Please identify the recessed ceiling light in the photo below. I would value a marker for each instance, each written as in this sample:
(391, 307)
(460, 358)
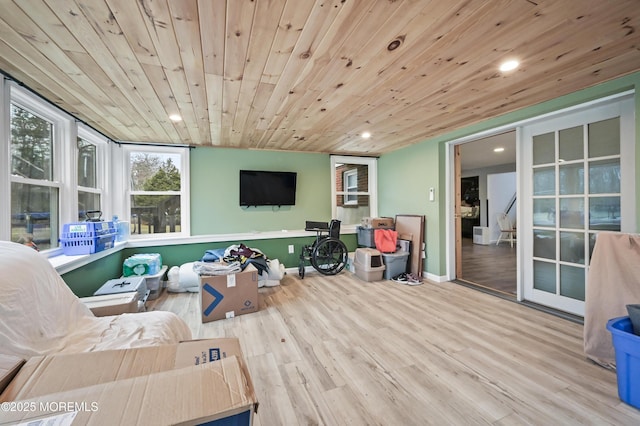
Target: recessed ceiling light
(175, 117)
(509, 65)
(366, 135)
(499, 149)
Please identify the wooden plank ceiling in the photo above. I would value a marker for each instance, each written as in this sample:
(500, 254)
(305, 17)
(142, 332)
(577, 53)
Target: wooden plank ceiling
(309, 75)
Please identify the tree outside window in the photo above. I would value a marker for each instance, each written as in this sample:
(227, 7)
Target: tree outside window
(155, 183)
(34, 194)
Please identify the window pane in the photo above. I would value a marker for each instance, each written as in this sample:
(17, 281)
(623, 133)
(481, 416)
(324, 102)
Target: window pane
(152, 214)
(544, 276)
(572, 282)
(571, 179)
(31, 145)
(544, 181)
(571, 144)
(544, 150)
(592, 243)
(544, 212)
(352, 178)
(87, 201)
(544, 244)
(571, 213)
(604, 213)
(358, 175)
(353, 214)
(34, 214)
(604, 177)
(155, 171)
(572, 247)
(86, 164)
(604, 138)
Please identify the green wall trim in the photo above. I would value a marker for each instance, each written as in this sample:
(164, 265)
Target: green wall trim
(85, 280)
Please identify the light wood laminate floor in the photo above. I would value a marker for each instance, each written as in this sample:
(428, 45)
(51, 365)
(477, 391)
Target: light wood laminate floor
(490, 266)
(338, 350)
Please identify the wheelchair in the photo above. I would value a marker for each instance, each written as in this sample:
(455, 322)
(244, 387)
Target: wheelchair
(327, 254)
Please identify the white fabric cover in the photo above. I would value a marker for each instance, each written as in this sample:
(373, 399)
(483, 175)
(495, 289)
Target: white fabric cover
(187, 280)
(273, 277)
(613, 283)
(40, 315)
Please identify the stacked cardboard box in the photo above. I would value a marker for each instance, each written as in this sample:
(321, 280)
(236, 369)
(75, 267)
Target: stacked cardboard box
(112, 304)
(192, 382)
(377, 222)
(225, 296)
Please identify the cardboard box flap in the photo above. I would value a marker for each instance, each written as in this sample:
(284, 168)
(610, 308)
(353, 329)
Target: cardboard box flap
(43, 375)
(9, 366)
(190, 395)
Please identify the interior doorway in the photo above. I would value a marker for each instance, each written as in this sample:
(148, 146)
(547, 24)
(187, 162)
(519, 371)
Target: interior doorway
(486, 188)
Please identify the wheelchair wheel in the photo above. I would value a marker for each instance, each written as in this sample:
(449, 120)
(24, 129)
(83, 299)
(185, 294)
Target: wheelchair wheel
(329, 256)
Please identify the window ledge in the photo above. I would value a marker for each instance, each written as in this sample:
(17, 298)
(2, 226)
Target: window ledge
(64, 263)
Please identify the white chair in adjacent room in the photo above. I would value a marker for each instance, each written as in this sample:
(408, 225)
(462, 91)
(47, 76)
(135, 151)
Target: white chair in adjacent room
(507, 230)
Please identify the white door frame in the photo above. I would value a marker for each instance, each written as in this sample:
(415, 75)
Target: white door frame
(450, 180)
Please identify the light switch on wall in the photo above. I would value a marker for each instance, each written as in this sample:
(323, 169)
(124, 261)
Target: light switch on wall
(432, 194)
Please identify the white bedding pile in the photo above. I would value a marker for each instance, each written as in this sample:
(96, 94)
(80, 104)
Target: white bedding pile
(40, 315)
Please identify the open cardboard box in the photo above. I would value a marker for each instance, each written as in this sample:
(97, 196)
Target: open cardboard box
(192, 382)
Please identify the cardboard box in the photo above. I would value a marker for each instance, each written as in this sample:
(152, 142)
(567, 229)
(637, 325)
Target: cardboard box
(378, 222)
(112, 304)
(225, 296)
(187, 396)
(43, 375)
(9, 366)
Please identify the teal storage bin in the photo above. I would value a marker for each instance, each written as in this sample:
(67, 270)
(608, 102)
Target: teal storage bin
(627, 349)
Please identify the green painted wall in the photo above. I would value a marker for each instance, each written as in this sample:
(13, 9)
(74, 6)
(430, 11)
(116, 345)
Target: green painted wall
(404, 179)
(404, 176)
(215, 191)
(86, 280)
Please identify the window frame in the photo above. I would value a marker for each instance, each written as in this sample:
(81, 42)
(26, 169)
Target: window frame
(123, 207)
(62, 131)
(102, 162)
(350, 196)
(372, 177)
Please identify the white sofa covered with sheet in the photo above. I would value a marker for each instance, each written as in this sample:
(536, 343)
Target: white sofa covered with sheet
(40, 315)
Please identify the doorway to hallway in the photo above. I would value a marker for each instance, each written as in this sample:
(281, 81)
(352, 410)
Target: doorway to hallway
(486, 176)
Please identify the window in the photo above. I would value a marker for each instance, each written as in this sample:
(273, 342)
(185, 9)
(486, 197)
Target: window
(53, 170)
(354, 188)
(350, 178)
(35, 194)
(89, 157)
(158, 189)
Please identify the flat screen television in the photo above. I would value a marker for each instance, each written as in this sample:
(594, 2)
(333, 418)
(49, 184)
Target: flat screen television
(263, 188)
